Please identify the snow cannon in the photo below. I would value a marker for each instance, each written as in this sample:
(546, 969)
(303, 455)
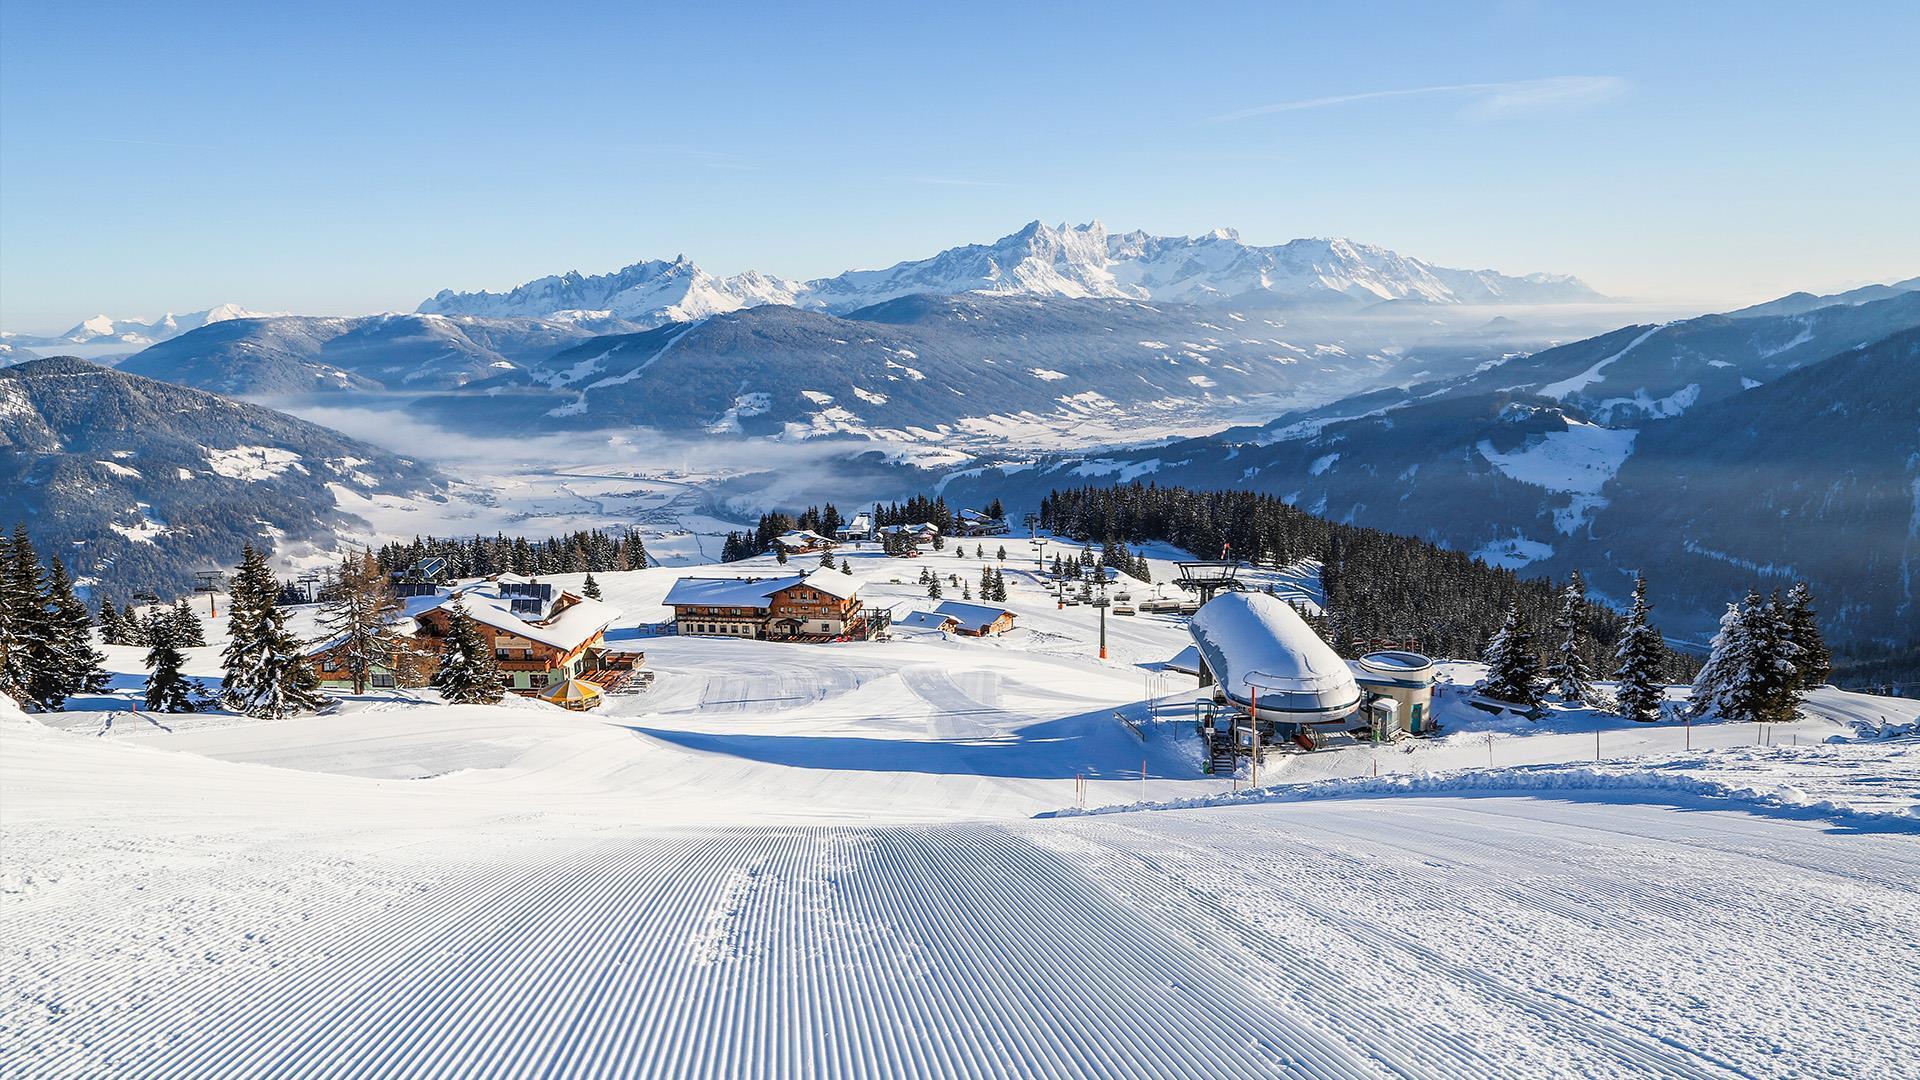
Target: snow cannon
(1264, 657)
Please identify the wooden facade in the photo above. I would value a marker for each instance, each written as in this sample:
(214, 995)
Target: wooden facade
(530, 666)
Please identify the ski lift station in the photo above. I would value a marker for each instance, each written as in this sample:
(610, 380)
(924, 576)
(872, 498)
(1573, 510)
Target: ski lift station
(1274, 678)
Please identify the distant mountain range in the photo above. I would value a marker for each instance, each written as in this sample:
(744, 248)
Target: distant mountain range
(138, 483)
(105, 330)
(305, 354)
(1083, 262)
(1711, 453)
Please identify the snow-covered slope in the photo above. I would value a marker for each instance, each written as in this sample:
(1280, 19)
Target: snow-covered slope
(138, 483)
(841, 861)
(298, 354)
(1075, 262)
(1650, 448)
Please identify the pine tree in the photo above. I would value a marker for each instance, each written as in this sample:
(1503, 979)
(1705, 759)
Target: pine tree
(933, 586)
(267, 673)
(1803, 629)
(23, 622)
(1640, 655)
(70, 638)
(1513, 671)
(846, 565)
(780, 554)
(358, 620)
(1568, 675)
(1001, 554)
(826, 560)
(136, 628)
(188, 634)
(966, 592)
(167, 690)
(113, 626)
(590, 588)
(468, 673)
(1778, 676)
(1749, 675)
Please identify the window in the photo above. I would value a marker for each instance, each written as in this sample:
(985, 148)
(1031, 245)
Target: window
(537, 679)
(503, 654)
(383, 682)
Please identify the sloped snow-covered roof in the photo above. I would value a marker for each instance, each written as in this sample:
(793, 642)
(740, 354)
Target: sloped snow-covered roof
(728, 591)
(923, 620)
(835, 583)
(757, 592)
(1257, 644)
(566, 629)
(970, 615)
(801, 538)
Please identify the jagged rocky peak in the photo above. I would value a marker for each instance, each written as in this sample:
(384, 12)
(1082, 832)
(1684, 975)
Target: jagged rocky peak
(1073, 261)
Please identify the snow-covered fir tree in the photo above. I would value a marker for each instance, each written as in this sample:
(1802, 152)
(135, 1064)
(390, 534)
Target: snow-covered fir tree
(358, 622)
(1567, 673)
(826, 560)
(1513, 671)
(1815, 661)
(933, 586)
(1749, 674)
(590, 588)
(1640, 656)
(468, 672)
(46, 635)
(187, 631)
(167, 690)
(75, 663)
(780, 554)
(22, 625)
(267, 675)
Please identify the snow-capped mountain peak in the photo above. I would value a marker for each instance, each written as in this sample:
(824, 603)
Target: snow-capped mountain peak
(107, 330)
(1072, 261)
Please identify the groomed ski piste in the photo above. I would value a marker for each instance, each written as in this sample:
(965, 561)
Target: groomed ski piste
(938, 856)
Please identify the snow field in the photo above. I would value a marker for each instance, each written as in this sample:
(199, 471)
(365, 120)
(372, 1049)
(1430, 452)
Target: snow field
(825, 861)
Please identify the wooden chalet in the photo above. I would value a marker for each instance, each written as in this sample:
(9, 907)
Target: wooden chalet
(976, 620)
(974, 523)
(412, 661)
(540, 636)
(803, 542)
(823, 605)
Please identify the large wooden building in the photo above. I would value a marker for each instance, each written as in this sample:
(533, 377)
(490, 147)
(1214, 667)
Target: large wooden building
(818, 606)
(540, 636)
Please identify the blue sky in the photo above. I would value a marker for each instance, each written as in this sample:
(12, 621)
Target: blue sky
(335, 159)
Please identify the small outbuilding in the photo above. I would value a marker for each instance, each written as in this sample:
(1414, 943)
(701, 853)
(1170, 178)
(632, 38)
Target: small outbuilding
(976, 620)
(1404, 679)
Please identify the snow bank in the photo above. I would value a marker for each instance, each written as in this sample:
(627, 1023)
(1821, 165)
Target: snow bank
(1850, 783)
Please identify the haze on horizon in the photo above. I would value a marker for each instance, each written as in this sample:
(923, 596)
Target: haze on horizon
(310, 161)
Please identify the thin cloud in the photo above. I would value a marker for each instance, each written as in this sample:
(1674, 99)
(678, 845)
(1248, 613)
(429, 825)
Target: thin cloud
(1484, 100)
